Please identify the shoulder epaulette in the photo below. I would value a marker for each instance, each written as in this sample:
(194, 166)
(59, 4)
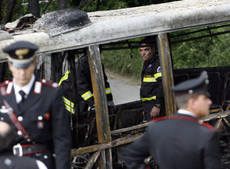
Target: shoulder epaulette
(2, 89)
(49, 83)
(9, 87)
(6, 87)
(37, 87)
(6, 82)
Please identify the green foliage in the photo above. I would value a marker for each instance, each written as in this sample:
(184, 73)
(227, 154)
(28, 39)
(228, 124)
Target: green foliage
(123, 61)
(205, 52)
(105, 5)
(45, 8)
(18, 11)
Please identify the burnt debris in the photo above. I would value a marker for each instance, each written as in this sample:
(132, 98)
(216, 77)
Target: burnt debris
(62, 21)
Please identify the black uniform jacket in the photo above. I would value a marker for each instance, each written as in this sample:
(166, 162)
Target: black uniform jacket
(8, 161)
(181, 142)
(151, 82)
(44, 118)
(84, 84)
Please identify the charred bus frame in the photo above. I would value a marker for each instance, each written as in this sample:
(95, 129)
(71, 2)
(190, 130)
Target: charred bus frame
(113, 26)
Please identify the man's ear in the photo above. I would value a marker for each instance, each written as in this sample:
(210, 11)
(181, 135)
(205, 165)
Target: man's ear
(190, 102)
(153, 49)
(10, 65)
(34, 61)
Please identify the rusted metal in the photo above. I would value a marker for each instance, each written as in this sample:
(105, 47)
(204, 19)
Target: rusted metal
(102, 117)
(216, 110)
(216, 116)
(226, 122)
(167, 73)
(218, 124)
(119, 131)
(114, 143)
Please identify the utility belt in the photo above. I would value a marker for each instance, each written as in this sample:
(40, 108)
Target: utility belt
(29, 149)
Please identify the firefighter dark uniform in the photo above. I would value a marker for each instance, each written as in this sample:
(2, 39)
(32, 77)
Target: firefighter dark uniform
(151, 91)
(41, 121)
(177, 142)
(84, 87)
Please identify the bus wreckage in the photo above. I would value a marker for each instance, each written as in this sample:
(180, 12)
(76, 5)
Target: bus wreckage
(119, 29)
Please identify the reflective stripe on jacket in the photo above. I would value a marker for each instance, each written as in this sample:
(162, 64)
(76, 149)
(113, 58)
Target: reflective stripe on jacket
(151, 84)
(84, 86)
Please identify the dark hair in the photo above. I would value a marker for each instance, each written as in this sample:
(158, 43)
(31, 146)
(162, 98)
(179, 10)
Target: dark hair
(7, 139)
(149, 41)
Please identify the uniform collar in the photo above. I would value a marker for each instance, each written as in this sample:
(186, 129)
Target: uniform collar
(186, 112)
(25, 88)
(153, 59)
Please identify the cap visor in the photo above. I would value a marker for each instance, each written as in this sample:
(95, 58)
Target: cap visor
(21, 66)
(206, 93)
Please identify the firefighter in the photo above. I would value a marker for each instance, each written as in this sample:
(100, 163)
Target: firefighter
(35, 110)
(151, 91)
(84, 91)
(79, 101)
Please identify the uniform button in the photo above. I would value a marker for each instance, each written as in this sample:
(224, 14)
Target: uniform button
(28, 140)
(55, 85)
(20, 118)
(19, 132)
(45, 157)
(8, 162)
(40, 117)
(37, 154)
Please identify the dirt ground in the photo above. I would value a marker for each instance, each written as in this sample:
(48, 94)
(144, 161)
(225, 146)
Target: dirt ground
(124, 88)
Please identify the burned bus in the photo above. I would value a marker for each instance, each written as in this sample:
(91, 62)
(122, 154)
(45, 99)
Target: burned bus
(174, 24)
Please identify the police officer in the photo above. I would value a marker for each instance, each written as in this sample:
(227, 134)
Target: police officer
(35, 110)
(180, 141)
(7, 159)
(151, 91)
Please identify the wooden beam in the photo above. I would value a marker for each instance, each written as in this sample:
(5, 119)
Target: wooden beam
(139, 126)
(167, 73)
(219, 115)
(102, 112)
(99, 147)
(92, 160)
